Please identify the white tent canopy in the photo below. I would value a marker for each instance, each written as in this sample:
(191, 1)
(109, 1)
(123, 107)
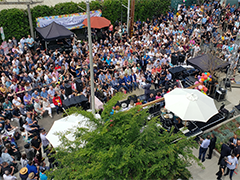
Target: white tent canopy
(190, 104)
(65, 124)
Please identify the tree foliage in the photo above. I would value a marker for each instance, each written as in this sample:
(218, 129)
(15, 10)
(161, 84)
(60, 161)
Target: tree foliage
(41, 11)
(66, 8)
(120, 148)
(15, 21)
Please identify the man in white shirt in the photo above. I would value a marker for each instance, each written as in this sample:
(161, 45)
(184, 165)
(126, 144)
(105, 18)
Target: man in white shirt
(51, 92)
(16, 101)
(203, 148)
(232, 164)
(44, 140)
(8, 176)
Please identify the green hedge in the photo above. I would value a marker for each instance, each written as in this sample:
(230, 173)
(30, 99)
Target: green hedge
(15, 21)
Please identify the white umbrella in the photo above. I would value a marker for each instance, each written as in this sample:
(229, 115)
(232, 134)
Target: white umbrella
(66, 124)
(190, 104)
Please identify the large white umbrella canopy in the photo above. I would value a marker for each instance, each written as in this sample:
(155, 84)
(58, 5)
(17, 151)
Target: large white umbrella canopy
(68, 123)
(190, 104)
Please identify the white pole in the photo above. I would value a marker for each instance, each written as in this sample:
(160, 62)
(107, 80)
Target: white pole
(128, 15)
(91, 58)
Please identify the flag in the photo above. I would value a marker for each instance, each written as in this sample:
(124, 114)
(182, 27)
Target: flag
(2, 33)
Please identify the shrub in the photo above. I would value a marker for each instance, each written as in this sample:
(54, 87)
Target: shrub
(237, 132)
(218, 145)
(223, 127)
(231, 125)
(238, 119)
(15, 21)
(225, 131)
(41, 11)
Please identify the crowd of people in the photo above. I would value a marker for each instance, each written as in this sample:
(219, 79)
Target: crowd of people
(33, 80)
(229, 155)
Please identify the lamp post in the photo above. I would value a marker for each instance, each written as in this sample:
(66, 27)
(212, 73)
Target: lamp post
(91, 58)
(30, 20)
(128, 16)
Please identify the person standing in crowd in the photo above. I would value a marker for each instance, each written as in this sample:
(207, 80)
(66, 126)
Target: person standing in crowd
(233, 141)
(232, 164)
(203, 148)
(236, 150)
(222, 166)
(36, 144)
(42, 174)
(23, 173)
(30, 42)
(147, 90)
(211, 146)
(225, 151)
(44, 140)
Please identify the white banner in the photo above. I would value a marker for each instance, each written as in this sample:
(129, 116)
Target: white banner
(70, 21)
(2, 33)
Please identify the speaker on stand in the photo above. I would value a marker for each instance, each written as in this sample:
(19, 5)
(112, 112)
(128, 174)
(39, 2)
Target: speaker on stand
(79, 85)
(68, 89)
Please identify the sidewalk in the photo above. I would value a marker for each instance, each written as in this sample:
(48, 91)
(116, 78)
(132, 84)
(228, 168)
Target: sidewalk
(211, 168)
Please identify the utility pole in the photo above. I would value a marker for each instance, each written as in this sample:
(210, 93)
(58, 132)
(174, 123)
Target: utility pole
(132, 17)
(121, 17)
(30, 20)
(90, 57)
(128, 14)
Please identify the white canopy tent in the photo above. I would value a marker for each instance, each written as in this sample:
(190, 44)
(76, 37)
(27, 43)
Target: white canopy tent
(190, 104)
(65, 124)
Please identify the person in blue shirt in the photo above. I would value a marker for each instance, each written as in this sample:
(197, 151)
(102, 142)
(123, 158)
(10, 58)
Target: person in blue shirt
(232, 9)
(139, 23)
(170, 15)
(26, 78)
(44, 93)
(16, 69)
(108, 60)
(8, 83)
(146, 57)
(115, 84)
(204, 20)
(230, 48)
(168, 51)
(102, 77)
(134, 80)
(35, 94)
(30, 42)
(122, 83)
(78, 72)
(128, 82)
(32, 168)
(31, 65)
(42, 174)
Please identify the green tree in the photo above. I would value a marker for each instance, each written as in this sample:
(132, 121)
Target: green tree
(41, 11)
(66, 8)
(123, 146)
(14, 22)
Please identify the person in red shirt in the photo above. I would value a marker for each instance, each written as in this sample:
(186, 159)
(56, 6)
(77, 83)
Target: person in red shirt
(58, 103)
(138, 102)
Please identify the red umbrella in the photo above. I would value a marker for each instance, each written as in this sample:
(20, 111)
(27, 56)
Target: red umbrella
(98, 22)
